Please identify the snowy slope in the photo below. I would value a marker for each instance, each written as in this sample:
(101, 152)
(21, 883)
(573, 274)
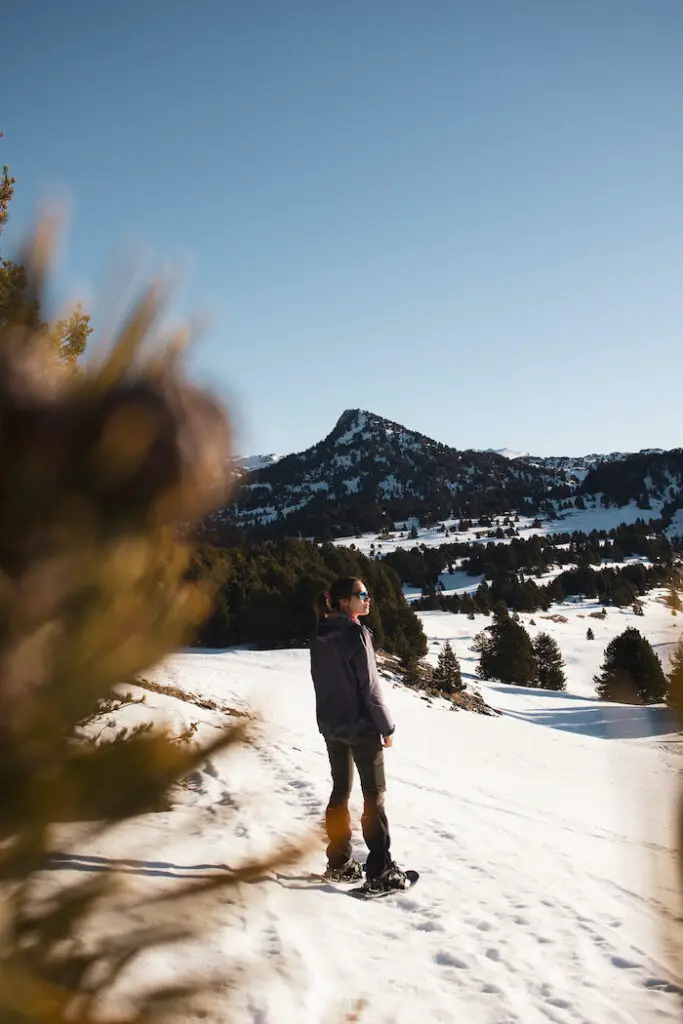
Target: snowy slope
(567, 623)
(543, 836)
(593, 517)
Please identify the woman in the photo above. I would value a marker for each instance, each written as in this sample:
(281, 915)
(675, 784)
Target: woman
(356, 725)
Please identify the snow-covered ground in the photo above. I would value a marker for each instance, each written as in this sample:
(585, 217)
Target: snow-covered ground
(460, 582)
(582, 657)
(544, 838)
(593, 517)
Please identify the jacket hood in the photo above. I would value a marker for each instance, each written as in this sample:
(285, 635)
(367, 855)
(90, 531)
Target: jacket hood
(333, 626)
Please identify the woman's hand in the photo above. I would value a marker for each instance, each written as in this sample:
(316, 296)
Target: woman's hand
(387, 741)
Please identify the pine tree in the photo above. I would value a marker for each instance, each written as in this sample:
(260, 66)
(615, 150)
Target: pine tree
(413, 532)
(673, 600)
(631, 672)
(508, 653)
(7, 184)
(411, 672)
(590, 635)
(550, 664)
(447, 676)
(675, 678)
(67, 338)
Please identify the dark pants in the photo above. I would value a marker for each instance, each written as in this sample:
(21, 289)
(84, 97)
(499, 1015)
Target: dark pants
(368, 755)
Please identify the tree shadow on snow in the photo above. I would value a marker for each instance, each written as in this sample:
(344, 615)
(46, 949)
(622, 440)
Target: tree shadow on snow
(603, 721)
(153, 868)
(548, 695)
(234, 649)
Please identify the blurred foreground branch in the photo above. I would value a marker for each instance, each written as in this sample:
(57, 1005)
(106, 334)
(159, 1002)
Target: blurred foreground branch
(100, 469)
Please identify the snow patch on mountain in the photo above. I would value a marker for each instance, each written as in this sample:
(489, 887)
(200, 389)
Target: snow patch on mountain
(250, 463)
(508, 453)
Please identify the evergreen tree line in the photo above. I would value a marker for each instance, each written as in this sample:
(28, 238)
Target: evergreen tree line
(488, 493)
(351, 514)
(265, 595)
(619, 587)
(421, 566)
(636, 477)
(323, 520)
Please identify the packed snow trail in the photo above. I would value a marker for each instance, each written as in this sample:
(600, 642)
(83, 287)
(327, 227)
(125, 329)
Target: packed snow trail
(536, 846)
(545, 857)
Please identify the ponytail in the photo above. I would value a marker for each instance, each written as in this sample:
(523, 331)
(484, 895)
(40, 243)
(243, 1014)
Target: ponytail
(328, 601)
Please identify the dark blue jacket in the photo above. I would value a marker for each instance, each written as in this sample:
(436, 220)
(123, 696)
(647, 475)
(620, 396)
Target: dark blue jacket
(349, 702)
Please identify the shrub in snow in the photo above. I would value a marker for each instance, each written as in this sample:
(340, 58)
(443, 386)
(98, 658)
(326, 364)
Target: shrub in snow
(631, 672)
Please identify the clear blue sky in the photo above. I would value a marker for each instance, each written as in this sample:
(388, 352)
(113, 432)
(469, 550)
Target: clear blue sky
(465, 215)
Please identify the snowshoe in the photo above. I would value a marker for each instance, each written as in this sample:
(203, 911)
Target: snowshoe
(391, 881)
(352, 871)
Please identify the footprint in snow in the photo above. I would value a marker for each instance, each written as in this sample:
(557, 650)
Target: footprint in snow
(661, 985)
(406, 904)
(445, 959)
(559, 1003)
(429, 926)
(623, 964)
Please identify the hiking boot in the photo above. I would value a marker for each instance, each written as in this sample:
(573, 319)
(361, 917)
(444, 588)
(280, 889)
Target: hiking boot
(352, 871)
(391, 878)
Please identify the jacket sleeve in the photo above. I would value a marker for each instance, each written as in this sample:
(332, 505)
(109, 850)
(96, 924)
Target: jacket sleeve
(365, 667)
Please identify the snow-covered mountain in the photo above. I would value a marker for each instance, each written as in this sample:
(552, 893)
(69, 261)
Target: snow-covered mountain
(367, 459)
(509, 453)
(369, 466)
(251, 463)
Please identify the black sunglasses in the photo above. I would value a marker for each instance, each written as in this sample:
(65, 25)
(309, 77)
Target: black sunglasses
(362, 594)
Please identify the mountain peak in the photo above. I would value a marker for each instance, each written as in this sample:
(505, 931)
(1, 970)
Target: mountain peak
(352, 426)
(360, 426)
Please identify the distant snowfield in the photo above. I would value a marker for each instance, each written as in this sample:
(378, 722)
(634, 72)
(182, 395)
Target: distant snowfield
(544, 838)
(581, 520)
